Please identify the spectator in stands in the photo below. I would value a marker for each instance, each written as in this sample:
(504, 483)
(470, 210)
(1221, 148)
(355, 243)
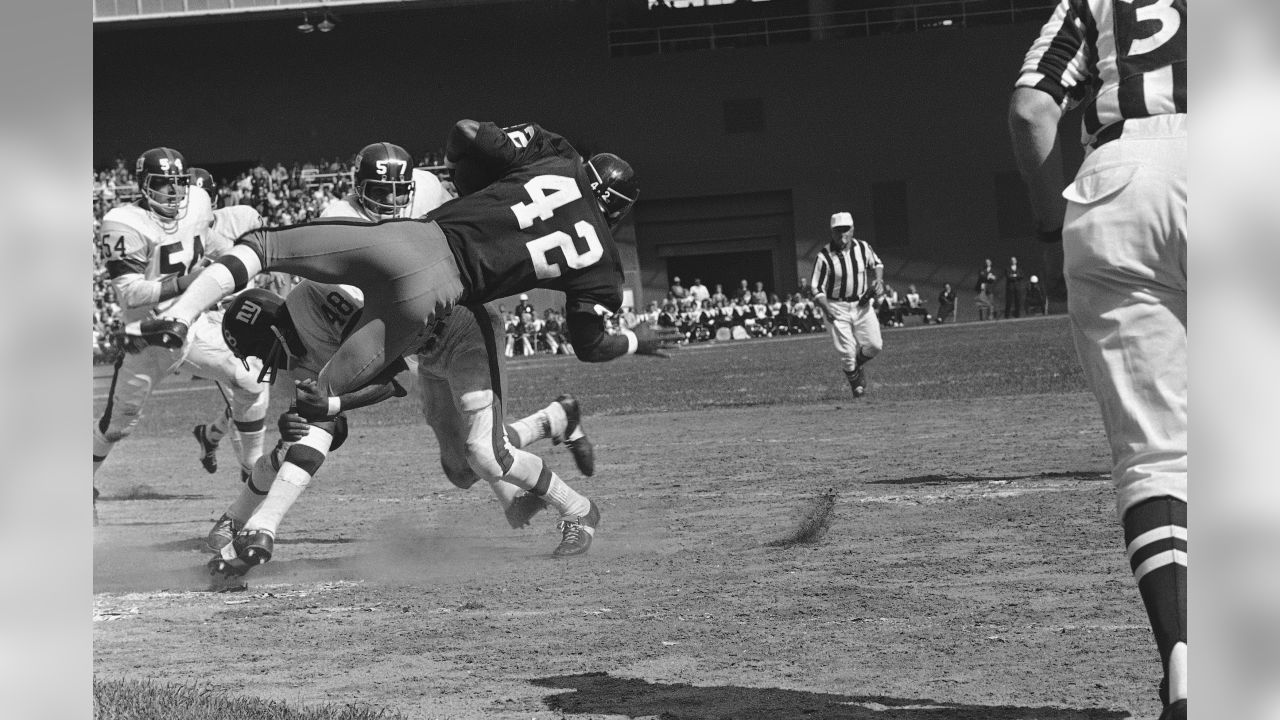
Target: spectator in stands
(743, 292)
(759, 296)
(983, 301)
(651, 314)
(913, 305)
(678, 291)
(524, 306)
(1037, 299)
(946, 304)
(667, 318)
(1015, 290)
(888, 309)
(718, 298)
(698, 292)
(986, 275)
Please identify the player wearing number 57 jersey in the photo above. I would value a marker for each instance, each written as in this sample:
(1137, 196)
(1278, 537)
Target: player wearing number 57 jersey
(533, 214)
(153, 248)
(1122, 225)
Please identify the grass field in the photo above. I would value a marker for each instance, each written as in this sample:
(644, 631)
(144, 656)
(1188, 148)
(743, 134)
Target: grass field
(770, 548)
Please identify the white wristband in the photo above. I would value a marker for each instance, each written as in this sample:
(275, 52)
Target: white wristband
(633, 342)
(335, 405)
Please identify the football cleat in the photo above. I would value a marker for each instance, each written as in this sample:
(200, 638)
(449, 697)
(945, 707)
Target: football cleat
(522, 510)
(153, 332)
(255, 546)
(576, 533)
(858, 382)
(208, 449)
(223, 533)
(584, 453)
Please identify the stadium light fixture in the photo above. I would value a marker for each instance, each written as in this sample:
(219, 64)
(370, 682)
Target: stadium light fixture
(327, 23)
(305, 26)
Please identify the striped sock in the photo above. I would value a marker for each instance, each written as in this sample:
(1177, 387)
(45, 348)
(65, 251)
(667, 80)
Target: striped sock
(1155, 533)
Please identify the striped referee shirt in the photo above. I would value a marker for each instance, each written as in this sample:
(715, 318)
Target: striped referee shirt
(1125, 58)
(843, 275)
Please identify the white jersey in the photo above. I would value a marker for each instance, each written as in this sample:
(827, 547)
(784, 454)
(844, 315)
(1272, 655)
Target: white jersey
(141, 252)
(322, 315)
(229, 223)
(428, 193)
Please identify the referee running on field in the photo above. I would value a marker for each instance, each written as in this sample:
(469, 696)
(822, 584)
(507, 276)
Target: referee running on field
(842, 288)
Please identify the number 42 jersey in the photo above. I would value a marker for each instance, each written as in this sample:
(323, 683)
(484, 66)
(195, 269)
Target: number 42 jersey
(528, 218)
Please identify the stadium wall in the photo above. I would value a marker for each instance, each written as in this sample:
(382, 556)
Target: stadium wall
(922, 114)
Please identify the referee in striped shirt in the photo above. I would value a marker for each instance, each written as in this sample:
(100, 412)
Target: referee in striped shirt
(846, 275)
(1122, 225)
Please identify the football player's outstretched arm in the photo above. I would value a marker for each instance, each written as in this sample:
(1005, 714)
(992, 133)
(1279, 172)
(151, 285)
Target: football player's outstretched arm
(312, 405)
(591, 343)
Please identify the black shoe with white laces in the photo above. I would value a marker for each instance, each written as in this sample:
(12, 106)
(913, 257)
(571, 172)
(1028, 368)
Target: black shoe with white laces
(208, 448)
(576, 533)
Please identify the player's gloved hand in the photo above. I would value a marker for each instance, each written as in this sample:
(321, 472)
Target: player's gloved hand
(293, 427)
(158, 332)
(655, 341)
(310, 402)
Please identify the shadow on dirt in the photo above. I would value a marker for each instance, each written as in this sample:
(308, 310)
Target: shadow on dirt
(600, 694)
(1087, 475)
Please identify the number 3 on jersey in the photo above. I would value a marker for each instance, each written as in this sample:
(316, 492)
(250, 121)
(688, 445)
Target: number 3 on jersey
(548, 192)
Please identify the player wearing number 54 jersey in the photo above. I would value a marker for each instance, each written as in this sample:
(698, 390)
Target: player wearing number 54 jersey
(1122, 229)
(153, 248)
(533, 214)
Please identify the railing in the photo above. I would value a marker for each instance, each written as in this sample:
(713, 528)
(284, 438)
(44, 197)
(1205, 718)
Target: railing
(810, 27)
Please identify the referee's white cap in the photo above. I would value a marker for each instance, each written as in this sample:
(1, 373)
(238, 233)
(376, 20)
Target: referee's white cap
(842, 219)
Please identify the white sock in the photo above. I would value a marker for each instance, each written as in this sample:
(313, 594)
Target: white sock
(216, 430)
(285, 491)
(249, 447)
(565, 499)
(556, 420)
(261, 481)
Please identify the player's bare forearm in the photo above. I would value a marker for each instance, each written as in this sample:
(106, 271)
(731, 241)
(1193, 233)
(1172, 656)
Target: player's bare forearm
(383, 387)
(1033, 127)
(313, 405)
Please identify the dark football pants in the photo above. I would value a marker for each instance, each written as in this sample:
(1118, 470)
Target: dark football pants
(404, 267)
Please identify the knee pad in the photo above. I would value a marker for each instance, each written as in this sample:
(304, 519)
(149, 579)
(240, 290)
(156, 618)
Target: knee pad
(483, 460)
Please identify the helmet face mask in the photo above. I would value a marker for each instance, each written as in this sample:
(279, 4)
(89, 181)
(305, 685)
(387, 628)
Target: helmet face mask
(384, 180)
(614, 184)
(163, 180)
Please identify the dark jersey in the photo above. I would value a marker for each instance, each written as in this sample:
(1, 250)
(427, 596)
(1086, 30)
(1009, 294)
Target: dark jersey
(528, 218)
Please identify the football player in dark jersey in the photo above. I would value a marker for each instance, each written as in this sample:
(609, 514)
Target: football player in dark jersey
(533, 213)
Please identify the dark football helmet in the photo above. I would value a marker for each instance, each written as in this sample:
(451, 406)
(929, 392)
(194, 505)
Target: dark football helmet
(202, 178)
(615, 186)
(384, 179)
(163, 179)
(253, 326)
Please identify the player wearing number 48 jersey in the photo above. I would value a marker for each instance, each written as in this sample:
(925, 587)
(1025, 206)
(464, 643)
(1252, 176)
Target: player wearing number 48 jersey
(1121, 226)
(533, 213)
(153, 249)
